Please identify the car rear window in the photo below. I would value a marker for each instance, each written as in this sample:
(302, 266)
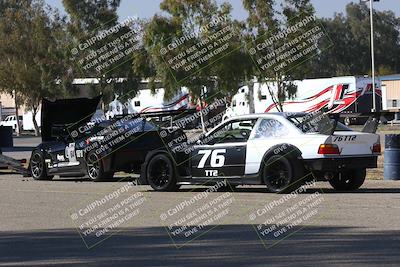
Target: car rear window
(316, 123)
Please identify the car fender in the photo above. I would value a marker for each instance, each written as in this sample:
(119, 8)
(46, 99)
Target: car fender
(281, 149)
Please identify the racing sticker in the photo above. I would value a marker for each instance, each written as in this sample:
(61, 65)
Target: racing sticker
(346, 138)
(229, 160)
(70, 153)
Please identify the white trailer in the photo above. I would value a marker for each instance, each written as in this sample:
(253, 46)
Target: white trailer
(147, 101)
(348, 94)
(27, 120)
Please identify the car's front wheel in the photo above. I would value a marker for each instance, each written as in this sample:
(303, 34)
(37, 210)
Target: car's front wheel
(161, 174)
(282, 174)
(38, 167)
(349, 180)
(95, 169)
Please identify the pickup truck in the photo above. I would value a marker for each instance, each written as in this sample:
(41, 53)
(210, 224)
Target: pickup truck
(12, 121)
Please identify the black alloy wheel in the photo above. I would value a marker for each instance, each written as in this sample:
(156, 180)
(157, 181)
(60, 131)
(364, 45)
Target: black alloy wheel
(161, 174)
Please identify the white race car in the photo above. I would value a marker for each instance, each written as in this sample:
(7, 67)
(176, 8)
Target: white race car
(279, 150)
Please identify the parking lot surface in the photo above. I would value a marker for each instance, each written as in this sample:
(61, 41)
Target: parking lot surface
(38, 227)
(360, 228)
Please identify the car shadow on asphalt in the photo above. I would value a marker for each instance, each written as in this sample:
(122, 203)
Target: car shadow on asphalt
(240, 189)
(18, 149)
(309, 191)
(226, 245)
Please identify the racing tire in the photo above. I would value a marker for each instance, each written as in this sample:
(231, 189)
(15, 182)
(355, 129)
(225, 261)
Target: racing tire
(38, 167)
(282, 174)
(348, 181)
(95, 169)
(161, 174)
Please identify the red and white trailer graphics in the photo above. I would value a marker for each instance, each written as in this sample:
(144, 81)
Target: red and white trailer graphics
(348, 94)
(148, 101)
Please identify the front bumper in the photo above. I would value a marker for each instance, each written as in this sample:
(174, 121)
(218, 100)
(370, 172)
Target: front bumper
(337, 164)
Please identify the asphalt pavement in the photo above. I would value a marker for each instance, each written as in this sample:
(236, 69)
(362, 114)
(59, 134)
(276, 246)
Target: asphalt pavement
(60, 223)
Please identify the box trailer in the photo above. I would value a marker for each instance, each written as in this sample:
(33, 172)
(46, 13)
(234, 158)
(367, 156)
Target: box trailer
(349, 95)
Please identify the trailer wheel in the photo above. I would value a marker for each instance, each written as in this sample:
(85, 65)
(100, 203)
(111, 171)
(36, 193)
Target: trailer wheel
(38, 167)
(348, 181)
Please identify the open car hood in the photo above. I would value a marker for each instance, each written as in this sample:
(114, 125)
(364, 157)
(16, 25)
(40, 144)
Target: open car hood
(66, 112)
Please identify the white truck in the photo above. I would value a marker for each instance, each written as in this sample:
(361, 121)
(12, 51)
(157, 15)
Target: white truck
(12, 121)
(348, 94)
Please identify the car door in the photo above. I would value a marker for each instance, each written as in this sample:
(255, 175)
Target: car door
(223, 153)
(63, 157)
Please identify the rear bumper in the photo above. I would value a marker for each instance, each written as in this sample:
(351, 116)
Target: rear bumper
(336, 164)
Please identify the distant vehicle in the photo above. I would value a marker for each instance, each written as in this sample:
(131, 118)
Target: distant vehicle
(346, 95)
(27, 122)
(12, 121)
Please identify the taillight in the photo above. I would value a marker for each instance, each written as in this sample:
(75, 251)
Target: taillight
(328, 149)
(376, 148)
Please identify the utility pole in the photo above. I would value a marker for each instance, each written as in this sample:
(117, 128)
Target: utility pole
(371, 12)
(371, 15)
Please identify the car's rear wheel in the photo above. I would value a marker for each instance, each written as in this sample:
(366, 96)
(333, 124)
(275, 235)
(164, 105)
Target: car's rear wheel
(281, 174)
(95, 169)
(161, 174)
(348, 181)
(38, 167)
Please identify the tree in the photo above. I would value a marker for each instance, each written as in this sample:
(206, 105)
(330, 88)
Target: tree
(96, 18)
(264, 23)
(32, 40)
(351, 54)
(261, 25)
(186, 19)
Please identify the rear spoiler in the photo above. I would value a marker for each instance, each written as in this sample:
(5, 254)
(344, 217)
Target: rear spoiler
(371, 125)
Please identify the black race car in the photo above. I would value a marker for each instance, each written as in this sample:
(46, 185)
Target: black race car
(76, 142)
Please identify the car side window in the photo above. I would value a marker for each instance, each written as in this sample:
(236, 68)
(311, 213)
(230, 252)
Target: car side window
(269, 128)
(232, 132)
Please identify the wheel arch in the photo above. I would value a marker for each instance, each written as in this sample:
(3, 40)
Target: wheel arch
(149, 156)
(279, 149)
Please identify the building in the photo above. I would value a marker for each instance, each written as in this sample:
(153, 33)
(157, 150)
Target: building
(391, 92)
(7, 106)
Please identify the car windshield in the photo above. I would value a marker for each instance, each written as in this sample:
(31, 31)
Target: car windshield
(316, 123)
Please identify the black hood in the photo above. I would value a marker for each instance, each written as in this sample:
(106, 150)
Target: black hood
(66, 112)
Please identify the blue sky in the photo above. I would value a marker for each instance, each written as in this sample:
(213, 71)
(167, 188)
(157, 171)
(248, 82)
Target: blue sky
(324, 8)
